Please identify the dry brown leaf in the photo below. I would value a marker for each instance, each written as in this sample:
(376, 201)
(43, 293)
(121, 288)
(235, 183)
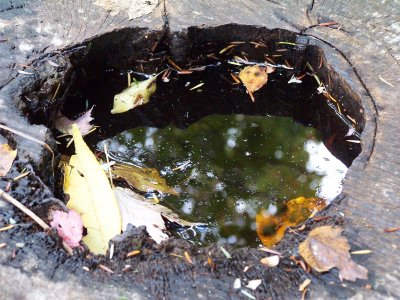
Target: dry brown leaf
(325, 248)
(253, 78)
(7, 156)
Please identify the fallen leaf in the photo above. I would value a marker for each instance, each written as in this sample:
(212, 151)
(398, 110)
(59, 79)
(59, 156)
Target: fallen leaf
(271, 228)
(69, 226)
(325, 248)
(143, 179)
(134, 8)
(253, 284)
(270, 261)
(7, 156)
(64, 125)
(91, 196)
(253, 78)
(137, 211)
(137, 94)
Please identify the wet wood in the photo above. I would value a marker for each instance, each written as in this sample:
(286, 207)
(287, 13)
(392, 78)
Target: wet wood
(366, 46)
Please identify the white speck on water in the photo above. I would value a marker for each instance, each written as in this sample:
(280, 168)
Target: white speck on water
(232, 239)
(240, 206)
(231, 143)
(149, 142)
(187, 207)
(278, 154)
(323, 163)
(219, 186)
(272, 209)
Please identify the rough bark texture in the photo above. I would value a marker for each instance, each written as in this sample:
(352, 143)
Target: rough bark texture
(365, 50)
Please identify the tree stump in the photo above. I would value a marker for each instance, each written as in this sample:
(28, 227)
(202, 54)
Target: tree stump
(365, 50)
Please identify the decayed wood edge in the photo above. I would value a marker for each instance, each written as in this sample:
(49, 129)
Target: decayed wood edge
(363, 172)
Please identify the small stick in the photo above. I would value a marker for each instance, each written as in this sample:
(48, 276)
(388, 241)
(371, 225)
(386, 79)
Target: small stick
(31, 214)
(56, 92)
(108, 164)
(328, 24)
(26, 210)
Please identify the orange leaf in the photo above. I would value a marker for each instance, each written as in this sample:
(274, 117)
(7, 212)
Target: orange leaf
(253, 77)
(271, 228)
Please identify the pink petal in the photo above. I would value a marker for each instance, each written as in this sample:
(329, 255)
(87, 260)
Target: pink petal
(69, 226)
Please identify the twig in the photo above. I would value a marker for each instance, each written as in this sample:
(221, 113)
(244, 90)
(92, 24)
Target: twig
(31, 214)
(387, 82)
(108, 164)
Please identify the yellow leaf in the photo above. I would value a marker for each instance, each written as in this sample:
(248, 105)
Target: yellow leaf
(271, 228)
(253, 77)
(325, 248)
(137, 94)
(7, 156)
(91, 196)
(143, 179)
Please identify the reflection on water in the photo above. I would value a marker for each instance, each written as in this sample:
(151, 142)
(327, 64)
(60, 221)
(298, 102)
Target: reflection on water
(227, 167)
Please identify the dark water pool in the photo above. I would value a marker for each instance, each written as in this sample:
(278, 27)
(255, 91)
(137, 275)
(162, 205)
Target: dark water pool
(228, 156)
(228, 167)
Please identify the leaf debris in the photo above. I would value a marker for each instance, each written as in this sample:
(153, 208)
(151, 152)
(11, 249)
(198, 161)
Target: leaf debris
(64, 125)
(325, 248)
(304, 285)
(254, 284)
(225, 252)
(107, 269)
(7, 157)
(188, 258)
(133, 253)
(270, 261)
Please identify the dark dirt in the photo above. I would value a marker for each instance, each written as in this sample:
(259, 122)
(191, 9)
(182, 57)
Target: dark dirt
(158, 270)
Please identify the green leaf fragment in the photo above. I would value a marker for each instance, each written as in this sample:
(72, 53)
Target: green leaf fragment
(226, 253)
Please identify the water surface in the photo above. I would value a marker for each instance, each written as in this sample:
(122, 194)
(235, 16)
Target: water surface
(228, 167)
